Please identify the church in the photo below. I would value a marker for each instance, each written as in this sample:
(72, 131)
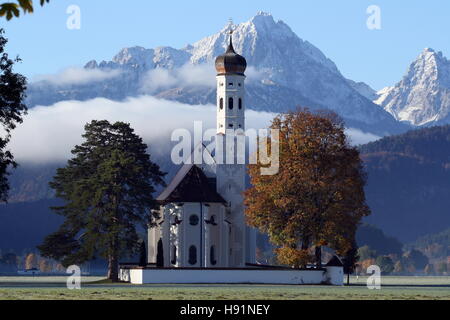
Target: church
(201, 235)
(202, 223)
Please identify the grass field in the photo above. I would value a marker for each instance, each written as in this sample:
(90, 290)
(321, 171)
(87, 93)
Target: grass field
(394, 288)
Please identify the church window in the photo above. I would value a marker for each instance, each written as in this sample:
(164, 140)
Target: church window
(193, 220)
(231, 103)
(240, 84)
(192, 255)
(160, 254)
(174, 255)
(212, 255)
(230, 84)
(240, 103)
(230, 125)
(221, 103)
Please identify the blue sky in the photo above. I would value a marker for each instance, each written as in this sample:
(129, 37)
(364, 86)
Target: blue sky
(338, 28)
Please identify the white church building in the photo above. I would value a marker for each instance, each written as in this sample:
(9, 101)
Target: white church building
(201, 235)
(202, 214)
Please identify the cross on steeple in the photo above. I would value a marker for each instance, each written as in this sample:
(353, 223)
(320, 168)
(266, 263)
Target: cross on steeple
(231, 26)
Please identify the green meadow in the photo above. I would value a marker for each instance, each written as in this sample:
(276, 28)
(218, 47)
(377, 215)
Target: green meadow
(393, 288)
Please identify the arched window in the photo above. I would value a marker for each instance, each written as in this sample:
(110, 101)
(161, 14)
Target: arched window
(212, 256)
(192, 255)
(240, 103)
(221, 103)
(160, 254)
(231, 103)
(174, 255)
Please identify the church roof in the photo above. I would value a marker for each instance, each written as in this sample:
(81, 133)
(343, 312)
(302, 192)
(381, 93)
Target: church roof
(190, 185)
(230, 62)
(334, 262)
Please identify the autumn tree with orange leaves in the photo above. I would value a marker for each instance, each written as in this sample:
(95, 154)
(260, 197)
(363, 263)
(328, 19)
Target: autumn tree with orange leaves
(317, 197)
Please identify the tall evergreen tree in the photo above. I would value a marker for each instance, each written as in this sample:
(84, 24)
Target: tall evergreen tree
(107, 188)
(12, 109)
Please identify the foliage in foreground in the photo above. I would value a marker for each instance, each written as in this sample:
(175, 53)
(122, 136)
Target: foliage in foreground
(12, 109)
(12, 9)
(317, 198)
(107, 189)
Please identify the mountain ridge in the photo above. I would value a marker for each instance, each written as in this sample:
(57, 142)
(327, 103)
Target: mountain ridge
(408, 182)
(289, 72)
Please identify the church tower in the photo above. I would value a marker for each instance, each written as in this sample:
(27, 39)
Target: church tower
(230, 68)
(201, 220)
(230, 177)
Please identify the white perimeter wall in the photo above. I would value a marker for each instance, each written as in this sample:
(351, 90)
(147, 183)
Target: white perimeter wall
(332, 275)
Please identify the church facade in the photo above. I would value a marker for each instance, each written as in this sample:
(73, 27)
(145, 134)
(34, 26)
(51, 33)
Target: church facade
(201, 217)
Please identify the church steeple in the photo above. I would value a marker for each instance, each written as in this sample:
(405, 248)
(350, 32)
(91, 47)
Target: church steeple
(230, 48)
(230, 68)
(230, 62)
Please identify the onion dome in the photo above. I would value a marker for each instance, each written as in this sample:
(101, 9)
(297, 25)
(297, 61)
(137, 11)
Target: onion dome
(230, 62)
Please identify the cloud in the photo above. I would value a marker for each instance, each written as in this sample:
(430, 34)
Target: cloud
(48, 134)
(76, 76)
(256, 75)
(201, 75)
(189, 75)
(358, 137)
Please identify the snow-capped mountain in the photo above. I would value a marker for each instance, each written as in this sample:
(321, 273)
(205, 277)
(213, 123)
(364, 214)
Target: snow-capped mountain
(363, 89)
(285, 72)
(422, 97)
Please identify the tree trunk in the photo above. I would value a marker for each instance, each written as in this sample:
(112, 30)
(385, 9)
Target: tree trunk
(348, 279)
(113, 268)
(305, 243)
(318, 257)
(113, 261)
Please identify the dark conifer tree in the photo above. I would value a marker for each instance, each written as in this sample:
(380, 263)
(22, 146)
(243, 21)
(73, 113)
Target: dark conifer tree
(107, 191)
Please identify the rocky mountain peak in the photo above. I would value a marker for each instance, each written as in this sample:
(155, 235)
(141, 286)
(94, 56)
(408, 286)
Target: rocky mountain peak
(422, 97)
(285, 72)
